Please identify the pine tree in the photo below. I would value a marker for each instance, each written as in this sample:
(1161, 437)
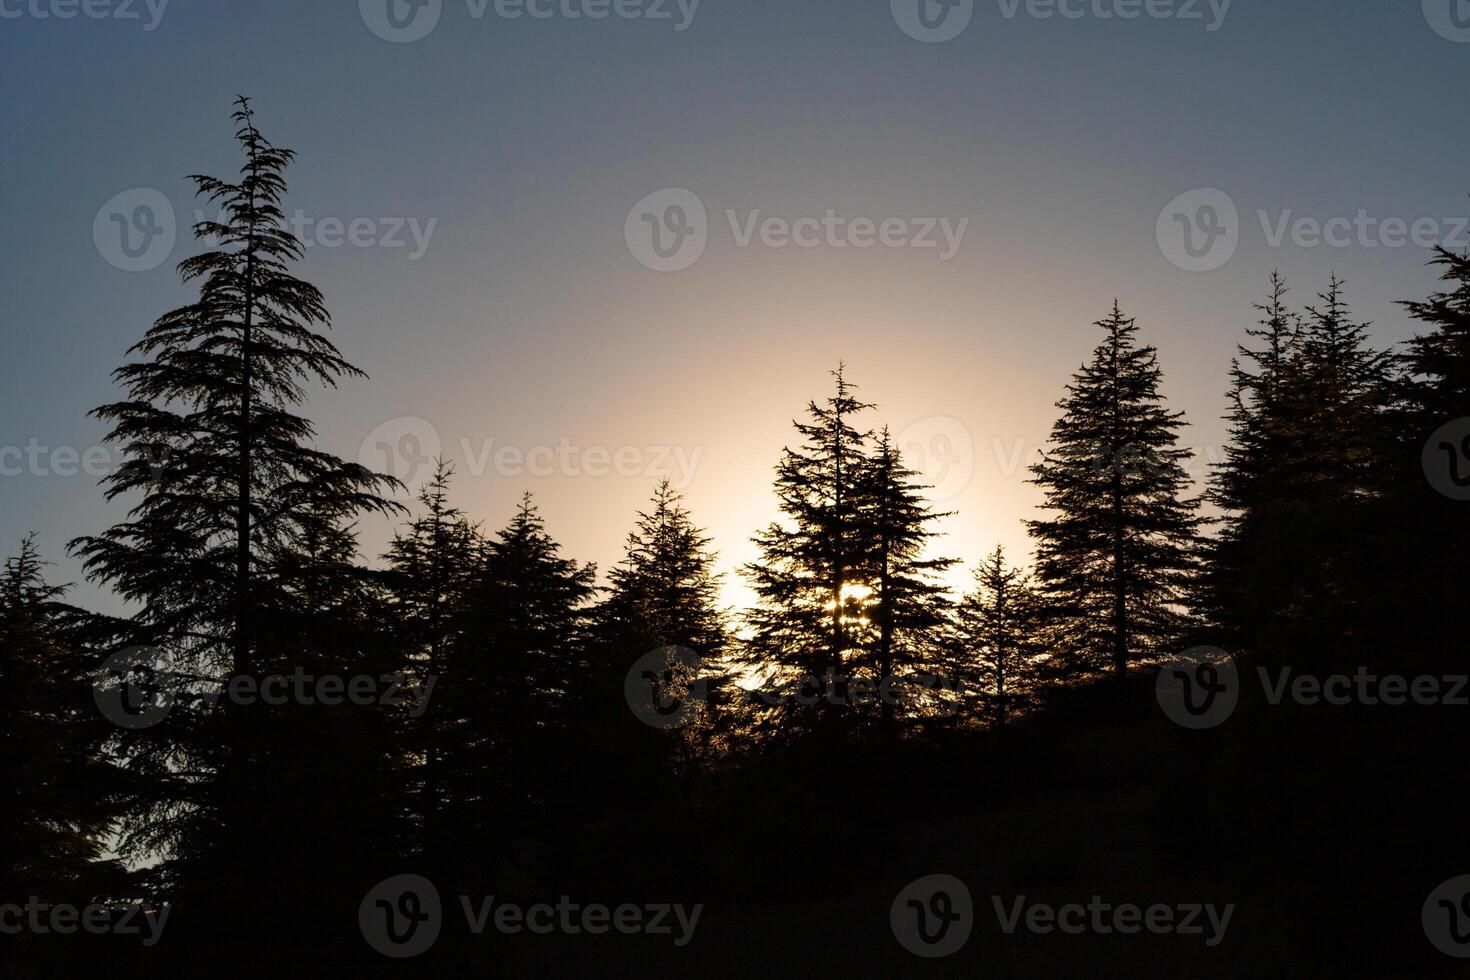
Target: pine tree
(665, 591)
(909, 604)
(999, 630)
(511, 679)
(1423, 532)
(663, 596)
(814, 579)
(1118, 556)
(211, 554)
(61, 790)
(431, 565)
(1437, 363)
(1297, 547)
(1244, 555)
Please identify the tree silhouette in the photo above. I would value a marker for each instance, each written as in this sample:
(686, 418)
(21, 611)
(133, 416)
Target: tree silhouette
(1000, 630)
(910, 605)
(432, 563)
(519, 654)
(814, 578)
(63, 793)
(212, 555)
(1117, 559)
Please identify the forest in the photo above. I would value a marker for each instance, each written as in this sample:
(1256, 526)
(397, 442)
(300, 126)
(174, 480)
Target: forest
(280, 725)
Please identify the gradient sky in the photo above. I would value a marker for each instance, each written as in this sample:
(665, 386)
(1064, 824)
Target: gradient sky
(528, 321)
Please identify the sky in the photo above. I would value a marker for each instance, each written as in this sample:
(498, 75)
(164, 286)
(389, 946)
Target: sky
(943, 198)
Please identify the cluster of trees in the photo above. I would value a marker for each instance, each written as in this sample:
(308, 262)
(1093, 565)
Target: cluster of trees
(239, 559)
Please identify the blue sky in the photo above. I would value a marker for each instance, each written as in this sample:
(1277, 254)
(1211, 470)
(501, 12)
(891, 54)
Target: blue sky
(521, 317)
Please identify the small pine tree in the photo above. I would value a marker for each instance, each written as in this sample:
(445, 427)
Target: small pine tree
(1118, 556)
(665, 591)
(999, 630)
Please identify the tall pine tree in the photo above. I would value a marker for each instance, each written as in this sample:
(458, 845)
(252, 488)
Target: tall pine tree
(910, 605)
(814, 579)
(211, 554)
(1117, 558)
